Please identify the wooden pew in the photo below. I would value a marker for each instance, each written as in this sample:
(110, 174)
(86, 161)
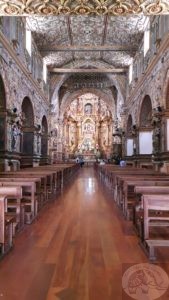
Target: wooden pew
(6, 227)
(14, 195)
(138, 207)
(29, 176)
(128, 199)
(30, 197)
(156, 203)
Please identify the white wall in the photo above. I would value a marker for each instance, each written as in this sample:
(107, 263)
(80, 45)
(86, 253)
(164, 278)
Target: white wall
(145, 142)
(129, 147)
(167, 137)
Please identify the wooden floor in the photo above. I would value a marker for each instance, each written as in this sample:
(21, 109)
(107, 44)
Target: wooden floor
(76, 250)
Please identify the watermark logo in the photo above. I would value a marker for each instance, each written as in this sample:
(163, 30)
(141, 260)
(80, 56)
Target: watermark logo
(145, 281)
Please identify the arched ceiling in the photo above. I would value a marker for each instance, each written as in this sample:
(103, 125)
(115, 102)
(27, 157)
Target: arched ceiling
(68, 98)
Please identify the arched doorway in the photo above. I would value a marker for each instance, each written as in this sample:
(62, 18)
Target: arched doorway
(44, 140)
(27, 145)
(145, 127)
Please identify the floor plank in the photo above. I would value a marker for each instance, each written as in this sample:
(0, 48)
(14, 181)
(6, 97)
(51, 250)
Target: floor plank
(75, 250)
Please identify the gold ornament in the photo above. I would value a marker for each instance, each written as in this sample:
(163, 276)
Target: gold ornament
(82, 7)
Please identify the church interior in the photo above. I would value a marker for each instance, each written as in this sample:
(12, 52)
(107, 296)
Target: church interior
(82, 89)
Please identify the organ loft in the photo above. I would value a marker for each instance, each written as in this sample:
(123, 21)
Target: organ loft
(84, 150)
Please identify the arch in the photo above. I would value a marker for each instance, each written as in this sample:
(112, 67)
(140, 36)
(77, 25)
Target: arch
(146, 112)
(68, 98)
(27, 145)
(44, 137)
(58, 81)
(2, 116)
(27, 112)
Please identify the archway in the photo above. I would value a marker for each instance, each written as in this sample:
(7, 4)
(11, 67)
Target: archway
(145, 128)
(146, 112)
(27, 147)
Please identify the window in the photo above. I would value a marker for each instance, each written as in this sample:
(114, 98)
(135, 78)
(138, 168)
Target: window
(44, 71)
(147, 37)
(130, 73)
(28, 41)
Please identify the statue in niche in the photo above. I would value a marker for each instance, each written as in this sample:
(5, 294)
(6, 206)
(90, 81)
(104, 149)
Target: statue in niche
(72, 141)
(116, 139)
(156, 140)
(88, 109)
(15, 140)
(38, 144)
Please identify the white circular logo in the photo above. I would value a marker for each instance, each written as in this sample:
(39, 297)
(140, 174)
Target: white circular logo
(145, 281)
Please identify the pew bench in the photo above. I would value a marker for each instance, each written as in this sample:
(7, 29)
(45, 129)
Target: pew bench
(152, 244)
(30, 196)
(127, 194)
(156, 214)
(7, 221)
(13, 203)
(138, 212)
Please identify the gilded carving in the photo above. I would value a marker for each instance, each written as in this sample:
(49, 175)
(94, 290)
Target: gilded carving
(95, 7)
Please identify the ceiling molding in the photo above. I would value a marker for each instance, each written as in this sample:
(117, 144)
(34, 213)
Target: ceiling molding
(79, 70)
(83, 7)
(88, 48)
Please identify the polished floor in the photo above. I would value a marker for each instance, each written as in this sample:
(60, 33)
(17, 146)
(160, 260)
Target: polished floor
(77, 249)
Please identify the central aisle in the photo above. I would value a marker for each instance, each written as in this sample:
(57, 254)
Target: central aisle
(76, 250)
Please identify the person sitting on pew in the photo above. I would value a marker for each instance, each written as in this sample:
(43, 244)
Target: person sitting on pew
(122, 163)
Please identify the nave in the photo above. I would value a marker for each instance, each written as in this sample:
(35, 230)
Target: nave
(77, 249)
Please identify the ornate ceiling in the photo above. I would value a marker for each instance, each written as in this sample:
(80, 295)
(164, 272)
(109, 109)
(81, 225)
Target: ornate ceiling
(83, 7)
(68, 40)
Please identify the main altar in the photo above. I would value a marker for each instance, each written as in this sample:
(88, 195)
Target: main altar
(87, 128)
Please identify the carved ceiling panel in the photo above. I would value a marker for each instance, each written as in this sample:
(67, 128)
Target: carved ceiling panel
(125, 30)
(87, 30)
(118, 59)
(63, 39)
(83, 7)
(49, 31)
(58, 59)
(87, 55)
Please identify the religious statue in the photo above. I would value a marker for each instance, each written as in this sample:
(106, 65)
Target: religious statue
(88, 109)
(156, 140)
(15, 140)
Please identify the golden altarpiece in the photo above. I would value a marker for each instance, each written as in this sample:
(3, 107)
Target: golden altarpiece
(87, 128)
